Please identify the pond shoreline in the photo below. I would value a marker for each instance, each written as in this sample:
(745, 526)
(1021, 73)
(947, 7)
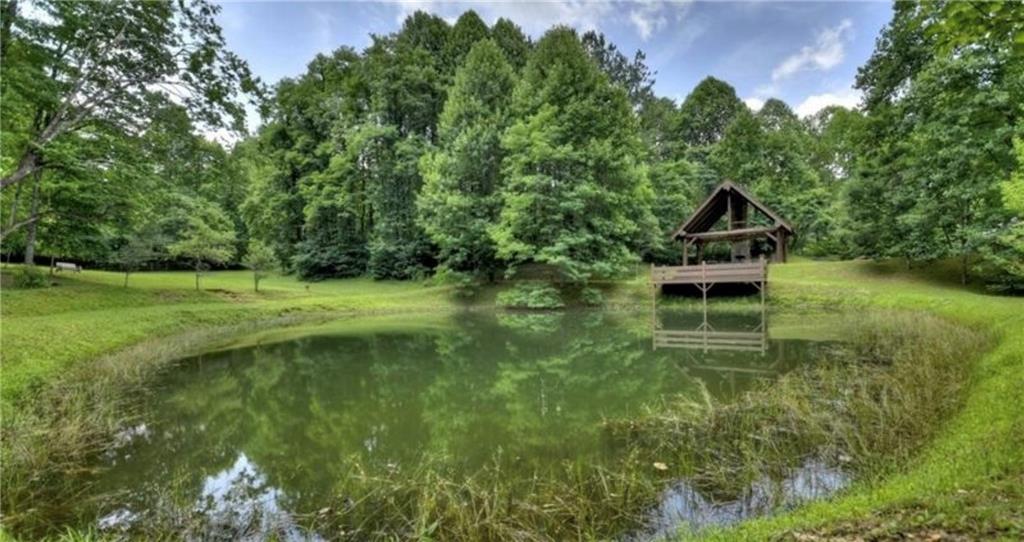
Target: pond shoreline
(172, 347)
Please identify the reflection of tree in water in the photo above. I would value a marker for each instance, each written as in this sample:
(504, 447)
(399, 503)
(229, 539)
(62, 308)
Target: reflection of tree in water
(535, 395)
(318, 416)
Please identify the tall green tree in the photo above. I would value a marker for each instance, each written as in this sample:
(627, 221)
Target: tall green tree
(576, 196)
(82, 63)
(706, 112)
(465, 33)
(512, 41)
(942, 112)
(461, 197)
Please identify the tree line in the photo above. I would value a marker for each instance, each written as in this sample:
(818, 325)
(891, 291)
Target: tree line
(470, 150)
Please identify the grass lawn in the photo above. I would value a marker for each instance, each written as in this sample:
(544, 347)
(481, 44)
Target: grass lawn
(967, 482)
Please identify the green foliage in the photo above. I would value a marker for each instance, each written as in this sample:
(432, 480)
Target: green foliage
(463, 182)
(64, 57)
(591, 297)
(141, 248)
(512, 41)
(941, 120)
(706, 112)
(208, 238)
(767, 152)
(1002, 264)
(576, 196)
(632, 75)
(530, 295)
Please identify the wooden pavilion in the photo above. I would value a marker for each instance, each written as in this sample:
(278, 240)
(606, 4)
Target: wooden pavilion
(742, 212)
(746, 220)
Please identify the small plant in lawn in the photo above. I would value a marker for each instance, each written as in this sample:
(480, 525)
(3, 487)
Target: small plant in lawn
(260, 259)
(29, 277)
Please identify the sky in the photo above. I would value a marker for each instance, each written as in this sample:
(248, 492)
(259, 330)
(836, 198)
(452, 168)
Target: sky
(805, 53)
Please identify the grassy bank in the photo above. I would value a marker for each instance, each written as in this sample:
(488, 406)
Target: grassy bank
(966, 483)
(90, 330)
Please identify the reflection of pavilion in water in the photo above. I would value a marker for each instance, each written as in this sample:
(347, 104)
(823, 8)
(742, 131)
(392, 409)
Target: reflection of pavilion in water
(729, 353)
(705, 337)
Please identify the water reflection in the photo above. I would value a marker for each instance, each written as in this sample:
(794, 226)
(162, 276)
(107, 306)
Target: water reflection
(684, 505)
(706, 337)
(250, 437)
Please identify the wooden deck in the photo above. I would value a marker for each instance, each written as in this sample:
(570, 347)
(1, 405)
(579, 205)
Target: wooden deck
(705, 275)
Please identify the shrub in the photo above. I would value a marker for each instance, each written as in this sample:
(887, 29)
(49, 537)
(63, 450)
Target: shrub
(531, 296)
(29, 277)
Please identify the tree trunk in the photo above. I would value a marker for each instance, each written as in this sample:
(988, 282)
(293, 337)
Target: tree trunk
(52, 258)
(14, 208)
(126, 279)
(30, 238)
(29, 164)
(197, 278)
(963, 266)
(255, 281)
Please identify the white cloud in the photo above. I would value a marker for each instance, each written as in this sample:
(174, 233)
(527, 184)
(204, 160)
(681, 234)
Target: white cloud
(755, 104)
(534, 17)
(651, 17)
(827, 52)
(848, 98)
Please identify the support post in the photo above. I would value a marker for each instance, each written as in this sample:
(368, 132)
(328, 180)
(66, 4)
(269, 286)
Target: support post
(704, 287)
(654, 311)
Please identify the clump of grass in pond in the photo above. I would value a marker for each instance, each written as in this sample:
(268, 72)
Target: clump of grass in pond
(869, 407)
(430, 501)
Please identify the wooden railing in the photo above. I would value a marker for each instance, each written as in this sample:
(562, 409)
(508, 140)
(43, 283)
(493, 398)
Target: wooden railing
(711, 273)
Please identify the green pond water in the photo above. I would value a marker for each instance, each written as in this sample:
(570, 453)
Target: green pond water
(272, 427)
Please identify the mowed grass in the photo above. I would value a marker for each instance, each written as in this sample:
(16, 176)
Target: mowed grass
(967, 482)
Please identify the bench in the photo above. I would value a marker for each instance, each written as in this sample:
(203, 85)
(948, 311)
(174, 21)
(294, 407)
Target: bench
(62, 266)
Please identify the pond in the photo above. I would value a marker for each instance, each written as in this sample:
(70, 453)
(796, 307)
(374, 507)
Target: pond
(265, 435)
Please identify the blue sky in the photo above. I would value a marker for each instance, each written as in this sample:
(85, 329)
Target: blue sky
(805, 53)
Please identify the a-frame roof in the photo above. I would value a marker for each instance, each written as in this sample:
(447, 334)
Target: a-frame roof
(716, 205)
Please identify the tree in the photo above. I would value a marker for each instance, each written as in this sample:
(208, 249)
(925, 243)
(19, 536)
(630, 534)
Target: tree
(512, 41)
(207, 239)
(576, 196)
(466, 32)
(260, 259)
(97, 62)
(1002, 261)
(462, 179)
(942, 116)
(141, 248)
(633, 75)
(768, 153)
(706, 112)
